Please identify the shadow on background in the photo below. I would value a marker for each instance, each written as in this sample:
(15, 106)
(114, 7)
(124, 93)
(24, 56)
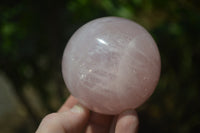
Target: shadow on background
(33, 36)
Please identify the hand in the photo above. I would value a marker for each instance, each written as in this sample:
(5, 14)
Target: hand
(74, 118)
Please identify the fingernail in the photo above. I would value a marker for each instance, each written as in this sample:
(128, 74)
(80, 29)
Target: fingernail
(77, 109)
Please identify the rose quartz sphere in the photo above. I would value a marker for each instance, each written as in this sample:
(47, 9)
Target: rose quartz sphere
(111, 64)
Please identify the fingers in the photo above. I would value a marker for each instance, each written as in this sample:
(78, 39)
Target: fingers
(70, 102)
(127, 122)
(71, 121)
(99, 123)
(73, 118)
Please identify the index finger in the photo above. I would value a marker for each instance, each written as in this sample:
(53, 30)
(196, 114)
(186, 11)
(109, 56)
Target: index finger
(127, 122)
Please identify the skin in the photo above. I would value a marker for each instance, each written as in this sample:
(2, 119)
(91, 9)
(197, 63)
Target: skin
(74, 118)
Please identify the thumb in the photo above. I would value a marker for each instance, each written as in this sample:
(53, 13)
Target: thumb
(71, 121)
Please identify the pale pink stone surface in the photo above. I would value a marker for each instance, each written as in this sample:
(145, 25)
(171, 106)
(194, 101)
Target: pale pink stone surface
(111, 64)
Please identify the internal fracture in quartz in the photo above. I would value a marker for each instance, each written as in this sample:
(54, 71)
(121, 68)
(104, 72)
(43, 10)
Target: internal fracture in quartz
(111, 64)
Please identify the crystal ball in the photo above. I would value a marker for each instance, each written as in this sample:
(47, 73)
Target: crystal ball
(111, 64)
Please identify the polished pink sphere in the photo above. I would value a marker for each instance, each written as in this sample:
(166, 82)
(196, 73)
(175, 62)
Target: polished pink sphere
(111, 64)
